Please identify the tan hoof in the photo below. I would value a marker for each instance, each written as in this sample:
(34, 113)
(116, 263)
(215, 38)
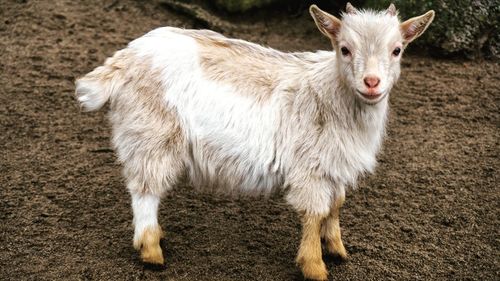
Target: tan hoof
(152, 255)
(314, 270)
(336, 249)
(149, 245)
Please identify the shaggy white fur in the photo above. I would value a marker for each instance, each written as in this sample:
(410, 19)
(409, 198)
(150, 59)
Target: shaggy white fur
(240, 117)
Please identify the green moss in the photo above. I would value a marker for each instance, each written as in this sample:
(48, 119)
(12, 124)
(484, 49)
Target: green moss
(460, 26)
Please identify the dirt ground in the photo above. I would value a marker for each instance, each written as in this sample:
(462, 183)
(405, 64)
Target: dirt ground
(430, 212)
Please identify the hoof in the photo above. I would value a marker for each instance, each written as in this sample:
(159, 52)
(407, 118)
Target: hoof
(152, 255)
(314, 270)
(149, 245)
(337, 249)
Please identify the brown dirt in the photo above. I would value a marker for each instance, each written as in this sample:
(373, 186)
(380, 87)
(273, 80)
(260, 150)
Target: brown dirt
(431, 211)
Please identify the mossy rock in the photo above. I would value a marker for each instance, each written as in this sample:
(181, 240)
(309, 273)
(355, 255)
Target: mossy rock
(243, 5)
(460, 27)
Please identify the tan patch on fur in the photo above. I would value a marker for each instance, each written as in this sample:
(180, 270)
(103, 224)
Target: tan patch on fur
(149, 245)
(330, 231)
(112, 66)
(309, 256)
(147, 134)
(252, 70)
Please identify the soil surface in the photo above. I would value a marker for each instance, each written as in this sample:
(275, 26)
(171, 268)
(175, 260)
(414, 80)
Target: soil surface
(430, 211)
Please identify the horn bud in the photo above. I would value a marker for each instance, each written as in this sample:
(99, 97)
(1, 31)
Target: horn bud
(349, 8)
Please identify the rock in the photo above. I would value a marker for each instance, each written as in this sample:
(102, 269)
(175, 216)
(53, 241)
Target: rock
(461, 27)
(242, 5)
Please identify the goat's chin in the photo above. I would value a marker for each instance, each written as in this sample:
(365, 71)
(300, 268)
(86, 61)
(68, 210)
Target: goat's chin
(371, 99)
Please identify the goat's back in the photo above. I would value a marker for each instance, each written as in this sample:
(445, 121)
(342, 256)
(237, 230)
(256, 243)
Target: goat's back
(176, 97)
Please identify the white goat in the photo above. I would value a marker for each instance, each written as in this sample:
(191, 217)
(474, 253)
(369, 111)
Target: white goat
(244, 118)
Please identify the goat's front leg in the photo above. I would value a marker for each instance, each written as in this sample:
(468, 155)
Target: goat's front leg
(330, 230)
(312, 197)
(309, 257)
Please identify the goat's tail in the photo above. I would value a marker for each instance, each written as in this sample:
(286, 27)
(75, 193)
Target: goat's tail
(95, 88)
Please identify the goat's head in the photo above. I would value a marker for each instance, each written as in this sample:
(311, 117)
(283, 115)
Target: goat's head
(369, 46)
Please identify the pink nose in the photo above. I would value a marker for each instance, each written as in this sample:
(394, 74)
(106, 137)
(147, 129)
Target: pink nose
(371, 81)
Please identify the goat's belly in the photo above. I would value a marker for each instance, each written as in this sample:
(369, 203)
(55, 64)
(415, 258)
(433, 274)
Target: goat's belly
(234, 174)
(231, 154)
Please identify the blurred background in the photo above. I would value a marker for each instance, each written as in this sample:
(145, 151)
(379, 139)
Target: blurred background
(461, 28)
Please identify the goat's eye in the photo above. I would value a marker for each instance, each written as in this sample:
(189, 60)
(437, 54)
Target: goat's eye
(345, 51)
(396, 51)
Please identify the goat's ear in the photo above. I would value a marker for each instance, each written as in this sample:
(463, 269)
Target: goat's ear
(327, 24)
(414, 27)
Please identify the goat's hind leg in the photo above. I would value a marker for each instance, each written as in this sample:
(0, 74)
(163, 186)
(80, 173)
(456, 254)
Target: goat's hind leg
(147, 233)
(158, 175)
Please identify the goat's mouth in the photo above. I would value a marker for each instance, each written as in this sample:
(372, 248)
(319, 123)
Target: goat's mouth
(372, 97)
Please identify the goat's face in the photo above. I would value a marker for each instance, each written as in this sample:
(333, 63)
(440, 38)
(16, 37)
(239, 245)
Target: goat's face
(369, 46)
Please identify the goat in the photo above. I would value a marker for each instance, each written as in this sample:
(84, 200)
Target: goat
(242, 118)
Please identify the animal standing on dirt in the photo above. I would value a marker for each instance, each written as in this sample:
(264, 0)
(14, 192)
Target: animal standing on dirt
(242, 118)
